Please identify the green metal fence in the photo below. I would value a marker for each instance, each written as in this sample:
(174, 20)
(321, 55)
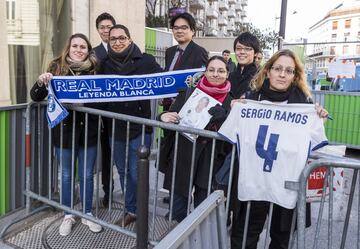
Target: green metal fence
(344, 107)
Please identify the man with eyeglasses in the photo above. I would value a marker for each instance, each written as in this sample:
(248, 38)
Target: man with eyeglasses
(103, 24)
(246, 45)
(186, 55)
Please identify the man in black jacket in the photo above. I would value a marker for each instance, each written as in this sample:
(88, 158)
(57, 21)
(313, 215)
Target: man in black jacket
(103, 24)
(186, 55)
(246, 46)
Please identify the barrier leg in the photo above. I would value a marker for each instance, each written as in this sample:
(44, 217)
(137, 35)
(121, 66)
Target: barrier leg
(142, 200)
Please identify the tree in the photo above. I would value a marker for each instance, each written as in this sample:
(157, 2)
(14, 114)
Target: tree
(267, 38)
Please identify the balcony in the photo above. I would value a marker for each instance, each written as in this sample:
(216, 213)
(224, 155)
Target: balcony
(231, 14)
(238, 7)
(238, 20)
(222, 21)
(232, 1)
(223, 6)
(230, 28)
(211, 13)
(197, 4)
(243, 14)
(244, 2)
(210, 31)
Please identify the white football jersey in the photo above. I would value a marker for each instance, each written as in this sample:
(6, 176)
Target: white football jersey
(274, 141)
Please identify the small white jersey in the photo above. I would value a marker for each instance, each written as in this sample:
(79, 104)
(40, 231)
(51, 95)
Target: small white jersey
(274, 141)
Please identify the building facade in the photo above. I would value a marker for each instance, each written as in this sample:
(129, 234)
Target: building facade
(36, 30)
(337, 34)
(217, 18)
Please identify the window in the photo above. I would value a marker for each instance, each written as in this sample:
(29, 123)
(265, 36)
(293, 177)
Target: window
(358, 35)
(346, 36)
(345, 49)
(332, 50)
(357, 49)
(348, 23)
(334, 25)
(10, 9)
(333, 37)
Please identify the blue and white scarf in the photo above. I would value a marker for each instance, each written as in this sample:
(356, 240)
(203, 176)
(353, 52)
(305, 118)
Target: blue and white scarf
(113, 88)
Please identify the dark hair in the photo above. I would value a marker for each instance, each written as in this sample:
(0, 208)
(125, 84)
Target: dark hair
(104, 16)
(217, 57)
(120, 26)
(189, 18)
(226, 51)
(249, 40)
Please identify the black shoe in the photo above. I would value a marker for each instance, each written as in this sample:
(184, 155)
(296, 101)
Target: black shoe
(105, 202)
(166, 199)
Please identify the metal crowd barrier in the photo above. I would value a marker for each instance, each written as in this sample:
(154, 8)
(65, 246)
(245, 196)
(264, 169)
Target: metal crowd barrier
(303, 237)
(203, 228)
(48, 169)
(41, 165)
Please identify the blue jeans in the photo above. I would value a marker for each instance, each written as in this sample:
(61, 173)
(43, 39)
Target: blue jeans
(131, 180)
(66, 175)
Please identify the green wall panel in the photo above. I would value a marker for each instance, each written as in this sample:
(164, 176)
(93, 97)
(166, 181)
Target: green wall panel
(345, 128)
(150, 41)
(4, 162)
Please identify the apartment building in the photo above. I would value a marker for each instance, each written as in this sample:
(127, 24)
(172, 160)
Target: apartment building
(217, 18)
(340, 25)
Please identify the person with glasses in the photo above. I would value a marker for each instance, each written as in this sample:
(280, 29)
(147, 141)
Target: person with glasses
(246, 46)
(104, 22)
(186, 54)
(125, 58)
(281, 80)
(214, 83)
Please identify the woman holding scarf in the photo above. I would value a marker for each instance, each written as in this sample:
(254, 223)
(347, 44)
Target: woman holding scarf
(74, 60)
(125, 58)
(214, 83)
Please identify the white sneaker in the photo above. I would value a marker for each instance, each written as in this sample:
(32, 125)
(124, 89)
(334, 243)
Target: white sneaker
(94, 227)
(66, 225)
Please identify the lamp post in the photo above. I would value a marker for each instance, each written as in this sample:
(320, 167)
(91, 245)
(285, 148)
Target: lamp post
(282, 23)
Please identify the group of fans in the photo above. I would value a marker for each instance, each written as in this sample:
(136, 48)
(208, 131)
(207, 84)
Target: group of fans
(281, 80)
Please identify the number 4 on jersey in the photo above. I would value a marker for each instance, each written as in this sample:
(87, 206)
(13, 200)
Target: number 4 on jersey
(270, 154)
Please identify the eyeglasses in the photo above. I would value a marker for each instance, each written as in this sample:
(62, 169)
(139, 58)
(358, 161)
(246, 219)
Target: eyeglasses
(279, 69)
(183, 27)
(102, 27)
(219, 71)
(245, 49)
(121, 39)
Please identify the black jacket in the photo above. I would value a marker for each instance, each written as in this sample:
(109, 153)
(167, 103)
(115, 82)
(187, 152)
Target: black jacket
(100, 53)
(39, 93)
(194, 56)
(138, 64)
(202, 154)
(240, 81)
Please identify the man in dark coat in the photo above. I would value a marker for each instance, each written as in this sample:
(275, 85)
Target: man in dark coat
(103, 24)
(246, 46)
(186, 55)
(230, 63)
